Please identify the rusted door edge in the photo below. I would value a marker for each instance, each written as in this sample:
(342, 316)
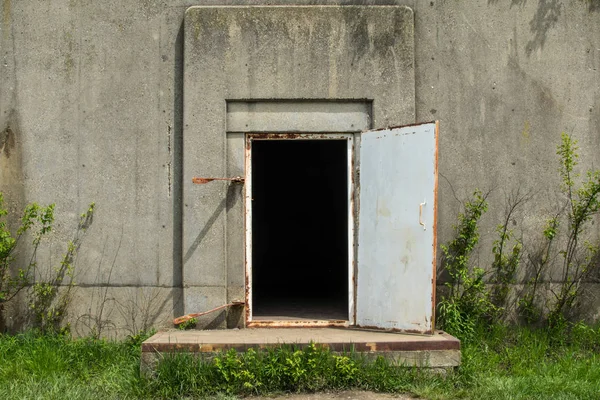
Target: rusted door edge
(249, 137)
(434, 225)
(298, 324)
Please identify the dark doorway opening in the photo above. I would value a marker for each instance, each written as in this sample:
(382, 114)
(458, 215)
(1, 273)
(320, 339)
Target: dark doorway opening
(299, 229)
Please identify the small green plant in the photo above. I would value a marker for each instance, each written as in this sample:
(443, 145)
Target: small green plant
(236, 377)
(346, 370)
(189, 324)
(507, 251)
(578, 254)
(539, 260)
(468, 300)
(136, 340)
(47, 302)
(287, 368)
(35, 222)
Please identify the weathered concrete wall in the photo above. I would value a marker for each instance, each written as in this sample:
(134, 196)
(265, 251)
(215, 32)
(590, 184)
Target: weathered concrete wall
(91, 109)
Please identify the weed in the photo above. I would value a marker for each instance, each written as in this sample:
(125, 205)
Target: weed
(189, 324)
(48, 305)
(471, 302)
(578, 254)
(506, 263)
(136, 340)
(538, 262)
(468, 301)
(36, 221)
(287, 369)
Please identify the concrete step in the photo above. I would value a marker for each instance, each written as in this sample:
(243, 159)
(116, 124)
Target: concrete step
(439, 350)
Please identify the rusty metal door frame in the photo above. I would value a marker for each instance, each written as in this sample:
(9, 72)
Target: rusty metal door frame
(350, 138)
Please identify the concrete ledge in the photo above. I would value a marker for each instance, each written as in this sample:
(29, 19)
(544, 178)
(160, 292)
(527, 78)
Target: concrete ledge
(439, 350)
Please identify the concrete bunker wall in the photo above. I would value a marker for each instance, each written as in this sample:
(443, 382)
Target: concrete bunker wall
(95, 106)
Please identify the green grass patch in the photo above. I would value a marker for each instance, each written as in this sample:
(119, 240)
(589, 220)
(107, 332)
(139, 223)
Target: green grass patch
(500, 363)
(58, 367)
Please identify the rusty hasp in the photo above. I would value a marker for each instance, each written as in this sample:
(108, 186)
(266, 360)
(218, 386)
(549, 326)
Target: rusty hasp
(201, 181)
(187, 317)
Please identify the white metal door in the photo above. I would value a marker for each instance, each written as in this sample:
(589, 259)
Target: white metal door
(397, 228)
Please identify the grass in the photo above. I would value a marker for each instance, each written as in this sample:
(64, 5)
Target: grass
(56, 367)
(511, 363)
(501, 363)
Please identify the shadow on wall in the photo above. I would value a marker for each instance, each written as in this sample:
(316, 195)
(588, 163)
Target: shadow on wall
(113, 310)
(178, 172)
(234, 193)
(544, 19)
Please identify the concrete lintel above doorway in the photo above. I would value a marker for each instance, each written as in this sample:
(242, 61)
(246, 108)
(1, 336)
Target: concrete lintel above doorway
(298, 116)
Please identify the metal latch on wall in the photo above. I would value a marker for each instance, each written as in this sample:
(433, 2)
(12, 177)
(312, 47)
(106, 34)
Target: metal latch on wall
(201, 181)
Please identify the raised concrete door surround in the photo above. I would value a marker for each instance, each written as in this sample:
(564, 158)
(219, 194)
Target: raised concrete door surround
(235, 56)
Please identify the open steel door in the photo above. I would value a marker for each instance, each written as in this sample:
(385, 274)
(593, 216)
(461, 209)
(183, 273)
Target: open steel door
(397, 229)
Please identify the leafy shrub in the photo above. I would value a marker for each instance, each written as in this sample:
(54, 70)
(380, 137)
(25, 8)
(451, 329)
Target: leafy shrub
(189, 324)
(37, 221)
(578, 254)
(286, 369)
(47, 305)
(468, 301)
(507, 251)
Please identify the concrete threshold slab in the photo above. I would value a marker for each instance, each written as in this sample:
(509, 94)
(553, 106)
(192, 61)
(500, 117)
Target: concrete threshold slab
(439, 350)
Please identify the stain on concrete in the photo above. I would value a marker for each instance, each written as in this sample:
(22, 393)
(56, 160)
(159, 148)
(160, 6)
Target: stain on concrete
(6, 8)
(517, 2)
(11, 169)
(543, 95)
(525, 138)
(358, 34)
(10, 160)
(593, 5)
(69, 61)
(168, 164)
(364, 40)
(7, 141)
(595, 115)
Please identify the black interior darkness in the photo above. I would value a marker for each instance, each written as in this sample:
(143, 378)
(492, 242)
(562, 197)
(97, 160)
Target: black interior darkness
(299, 229)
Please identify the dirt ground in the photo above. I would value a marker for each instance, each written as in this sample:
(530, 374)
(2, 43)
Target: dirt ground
(346, 395)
